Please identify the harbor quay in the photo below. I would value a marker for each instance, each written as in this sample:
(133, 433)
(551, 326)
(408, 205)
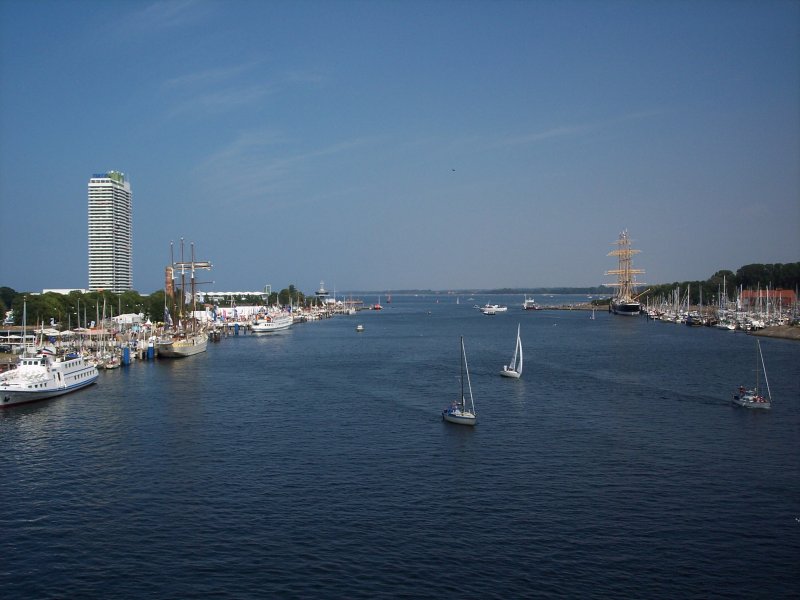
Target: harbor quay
(119, 340)
(115, 342)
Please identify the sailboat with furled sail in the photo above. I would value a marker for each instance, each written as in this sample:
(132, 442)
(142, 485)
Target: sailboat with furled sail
(754, 398)
(187, 339)
(625, 302)
(462, 412)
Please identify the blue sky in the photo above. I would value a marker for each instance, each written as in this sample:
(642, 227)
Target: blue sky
(388, 145)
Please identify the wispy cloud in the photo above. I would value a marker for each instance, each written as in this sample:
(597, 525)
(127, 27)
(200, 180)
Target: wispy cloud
(171, 13)
(225, 88)
(566, 131)
(306, 78)
(209, 76)
(538, 136)
(221, 100)
(262, 164)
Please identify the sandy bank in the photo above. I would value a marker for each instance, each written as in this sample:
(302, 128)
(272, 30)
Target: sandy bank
(787, 332)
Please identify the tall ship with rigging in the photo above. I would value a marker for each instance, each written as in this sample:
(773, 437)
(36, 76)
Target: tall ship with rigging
(187, 338)
(625, 301)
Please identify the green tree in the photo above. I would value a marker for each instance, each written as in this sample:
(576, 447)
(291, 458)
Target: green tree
(154, 306)
(6, 297)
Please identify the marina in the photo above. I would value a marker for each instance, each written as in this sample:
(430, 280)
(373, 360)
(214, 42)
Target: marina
(217, 475)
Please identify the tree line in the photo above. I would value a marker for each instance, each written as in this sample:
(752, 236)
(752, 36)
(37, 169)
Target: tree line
(81, 309)
(749, 277)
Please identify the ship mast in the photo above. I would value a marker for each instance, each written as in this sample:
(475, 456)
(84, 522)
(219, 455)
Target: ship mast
(192, 265)
(626, 274)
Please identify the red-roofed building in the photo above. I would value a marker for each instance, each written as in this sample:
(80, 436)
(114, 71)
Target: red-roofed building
(782, 298)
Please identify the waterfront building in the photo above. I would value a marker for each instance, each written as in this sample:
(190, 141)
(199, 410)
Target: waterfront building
(779, 298)
(110, 233)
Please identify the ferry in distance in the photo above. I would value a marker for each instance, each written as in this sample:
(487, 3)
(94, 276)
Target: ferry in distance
(492, 309)
(529, 304)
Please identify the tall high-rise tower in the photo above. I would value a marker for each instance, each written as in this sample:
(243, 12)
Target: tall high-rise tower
(110, 236)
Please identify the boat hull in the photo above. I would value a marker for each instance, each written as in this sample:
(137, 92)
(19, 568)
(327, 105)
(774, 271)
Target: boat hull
(510, 373)
(493, 309)
(626, 309)
(276, 324)
(752, 401)
(183, 348)
(459, 418)
(11, 397)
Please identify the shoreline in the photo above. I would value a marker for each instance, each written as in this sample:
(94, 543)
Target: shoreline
(783, 332)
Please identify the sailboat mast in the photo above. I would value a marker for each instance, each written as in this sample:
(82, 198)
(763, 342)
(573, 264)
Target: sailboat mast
(758, 367)
(763, 366)
(194, 302)
(461, 364)
(469, 383)
(24, 327)
(183, 287)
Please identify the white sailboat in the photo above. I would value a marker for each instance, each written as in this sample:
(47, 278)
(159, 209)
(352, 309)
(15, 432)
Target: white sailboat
(754, 398)
(514, 369)
(462, 412)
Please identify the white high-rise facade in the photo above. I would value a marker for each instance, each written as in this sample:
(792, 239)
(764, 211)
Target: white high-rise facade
(110, 235)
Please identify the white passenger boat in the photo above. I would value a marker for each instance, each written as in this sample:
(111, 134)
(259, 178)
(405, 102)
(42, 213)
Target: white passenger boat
(45, 376)
(272, 322)
(493, 309)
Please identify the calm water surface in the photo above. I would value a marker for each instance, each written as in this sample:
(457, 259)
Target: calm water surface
(314, 463)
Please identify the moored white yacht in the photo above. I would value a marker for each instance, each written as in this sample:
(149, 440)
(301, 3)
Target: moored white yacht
(271, 322)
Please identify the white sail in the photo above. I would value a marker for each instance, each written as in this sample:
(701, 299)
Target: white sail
(514, 369)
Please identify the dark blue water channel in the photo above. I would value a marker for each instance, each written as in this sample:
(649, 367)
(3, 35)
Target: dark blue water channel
(314, 463)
